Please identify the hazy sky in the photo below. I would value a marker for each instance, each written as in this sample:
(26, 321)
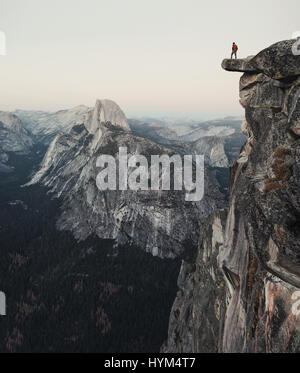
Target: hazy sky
(153, 57)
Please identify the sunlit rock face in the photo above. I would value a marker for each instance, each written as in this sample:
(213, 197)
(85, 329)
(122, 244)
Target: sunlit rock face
(259, 258)
(160, 222)
(106, 111)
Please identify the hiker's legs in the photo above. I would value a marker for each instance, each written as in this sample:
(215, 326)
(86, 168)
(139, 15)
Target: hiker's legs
(232, 53)
(235, 53)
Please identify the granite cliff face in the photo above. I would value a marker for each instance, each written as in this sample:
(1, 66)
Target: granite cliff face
(258, 256)
(197, 315)
(160, 222)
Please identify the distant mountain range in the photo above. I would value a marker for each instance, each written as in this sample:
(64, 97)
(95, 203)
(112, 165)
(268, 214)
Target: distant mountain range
(44, 125)
(186, 130)
(220, 140)
(158, 222)
(31, 127)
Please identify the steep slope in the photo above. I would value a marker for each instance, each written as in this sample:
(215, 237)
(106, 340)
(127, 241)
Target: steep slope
(13, 138)
(46, 125)
(106, 111)
(160, 222)
(259, 257)
(197, 316)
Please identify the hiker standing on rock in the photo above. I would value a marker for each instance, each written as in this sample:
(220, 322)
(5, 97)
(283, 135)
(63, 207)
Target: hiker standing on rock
(234, 50)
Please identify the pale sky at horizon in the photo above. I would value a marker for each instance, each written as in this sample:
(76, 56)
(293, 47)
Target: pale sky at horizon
(153, 57)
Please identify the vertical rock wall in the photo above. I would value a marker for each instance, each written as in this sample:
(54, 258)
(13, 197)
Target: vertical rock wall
(260, 257)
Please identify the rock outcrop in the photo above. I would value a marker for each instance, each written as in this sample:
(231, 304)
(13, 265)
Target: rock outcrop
(160, 222)
(279, 61)
(106, 111)
(260, 256)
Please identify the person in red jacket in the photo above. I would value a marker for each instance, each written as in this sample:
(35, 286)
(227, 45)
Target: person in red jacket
(234, 50)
